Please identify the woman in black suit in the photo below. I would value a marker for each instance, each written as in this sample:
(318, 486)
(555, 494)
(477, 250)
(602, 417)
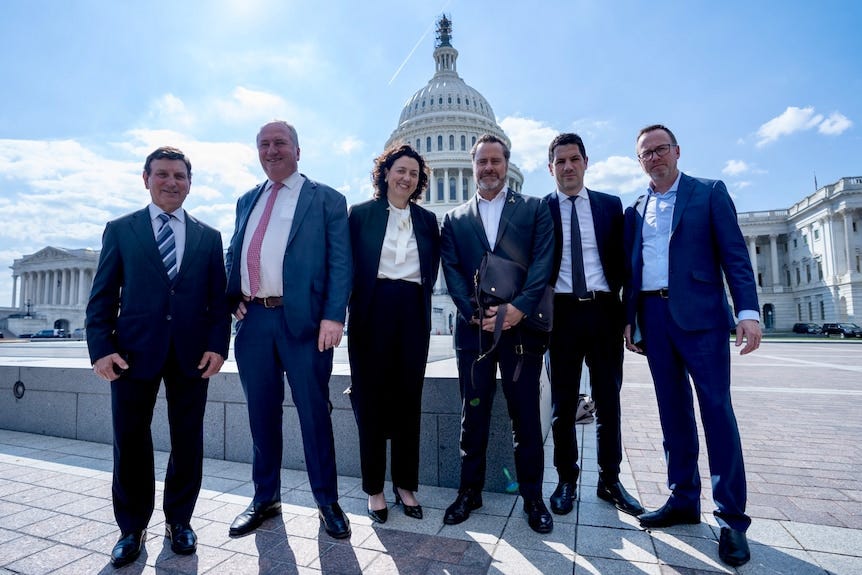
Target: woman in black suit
(396, 255)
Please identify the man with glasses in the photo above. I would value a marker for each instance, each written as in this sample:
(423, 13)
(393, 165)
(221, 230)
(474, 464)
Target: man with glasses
(683, 242)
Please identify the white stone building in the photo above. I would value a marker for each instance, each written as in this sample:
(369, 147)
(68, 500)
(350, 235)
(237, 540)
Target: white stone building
(442, 121)
(808, 258)
(50, 289)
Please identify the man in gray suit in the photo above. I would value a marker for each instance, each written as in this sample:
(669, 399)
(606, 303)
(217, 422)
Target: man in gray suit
(289, 274)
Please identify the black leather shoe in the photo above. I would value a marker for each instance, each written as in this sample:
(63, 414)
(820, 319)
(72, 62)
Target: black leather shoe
(615, 493)
(733, 547)
(251, 518)
(538, 516)
(414, 511)
(334, 521)
(562, 500)
(183, 538)
(467, 501)
(379, 515)
(128, 548)
(666, 516)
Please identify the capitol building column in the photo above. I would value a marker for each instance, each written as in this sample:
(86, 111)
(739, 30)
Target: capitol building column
(773, 254)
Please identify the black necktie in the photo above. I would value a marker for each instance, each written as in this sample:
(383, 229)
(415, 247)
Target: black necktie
(579, 282)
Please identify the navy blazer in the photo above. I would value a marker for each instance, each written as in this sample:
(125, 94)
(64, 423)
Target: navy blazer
(317, 263)
(367, 229)
(607, 212)
(135, 310)
(525, 235)
(706, 248)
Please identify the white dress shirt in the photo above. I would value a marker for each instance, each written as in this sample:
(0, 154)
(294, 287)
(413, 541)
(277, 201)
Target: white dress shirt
(593, 271)
(275, 239)
(490, 212)
(399, 256)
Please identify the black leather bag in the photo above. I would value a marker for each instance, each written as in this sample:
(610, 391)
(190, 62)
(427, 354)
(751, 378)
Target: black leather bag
(498, 280)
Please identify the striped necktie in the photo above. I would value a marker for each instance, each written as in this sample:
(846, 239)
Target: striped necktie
(167, 245)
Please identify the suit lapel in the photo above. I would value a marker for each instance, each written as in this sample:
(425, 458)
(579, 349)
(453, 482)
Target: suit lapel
(683, 195)
(512, 204)
(376, 232)
(476, 222)
(142, 227)
(306, 197)
(194, 235)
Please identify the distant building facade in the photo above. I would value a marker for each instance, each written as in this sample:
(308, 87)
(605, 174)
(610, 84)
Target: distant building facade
(808, 258)
(50, 289)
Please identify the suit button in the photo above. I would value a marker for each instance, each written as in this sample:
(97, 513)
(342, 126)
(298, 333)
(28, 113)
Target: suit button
(173, 292)
(169, 317)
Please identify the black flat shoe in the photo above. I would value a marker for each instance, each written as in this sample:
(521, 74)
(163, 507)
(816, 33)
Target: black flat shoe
(733, 547)
(538, 516)
(562, 500)
(128, 548)
(183, 538)
(334, 521)
(251, 518)
(379, 515)
(414, 511)
(459, 511)
(667, 516)
(615, 493)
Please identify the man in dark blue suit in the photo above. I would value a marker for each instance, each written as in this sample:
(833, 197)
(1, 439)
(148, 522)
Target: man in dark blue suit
(157, 311)
(289, 275)
(517, 228)
(588, 323)
(683, 242)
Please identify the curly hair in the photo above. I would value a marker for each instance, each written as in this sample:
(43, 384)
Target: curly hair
(384, 162)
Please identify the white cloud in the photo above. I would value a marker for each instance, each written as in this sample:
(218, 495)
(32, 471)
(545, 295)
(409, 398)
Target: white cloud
(171, 110)
(348, 145)
(795, 119)
(246, 105)
(530, 139)
(617, 174)
(835, 124)
(792, 120)
(734, 168)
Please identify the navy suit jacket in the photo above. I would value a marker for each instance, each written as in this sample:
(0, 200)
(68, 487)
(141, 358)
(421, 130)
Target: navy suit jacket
(367, 230)
(317, 262)
(706, 248)
(607, 212)
(525, 235)
(136, 311)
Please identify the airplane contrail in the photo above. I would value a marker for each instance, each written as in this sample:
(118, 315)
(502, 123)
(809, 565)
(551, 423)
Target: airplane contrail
(424, 34)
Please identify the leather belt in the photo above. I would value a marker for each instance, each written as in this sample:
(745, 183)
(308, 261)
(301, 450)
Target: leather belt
(589, 296)
(268, 302)
(663, 293)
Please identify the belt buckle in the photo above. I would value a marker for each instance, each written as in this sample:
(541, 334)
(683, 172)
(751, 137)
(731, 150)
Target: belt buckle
(591, 295)
(519, 349)
(663, 293)
(266, 303)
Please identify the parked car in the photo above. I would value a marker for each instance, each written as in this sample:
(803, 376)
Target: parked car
(812, 328)
(79, 333)
(842, 329)
(49, 334)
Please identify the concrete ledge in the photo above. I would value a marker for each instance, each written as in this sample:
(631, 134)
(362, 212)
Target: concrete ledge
(64, 398)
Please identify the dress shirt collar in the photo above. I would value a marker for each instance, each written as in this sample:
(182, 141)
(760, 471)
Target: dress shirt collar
(293, 180)
(155, 211)
(670, 190)
(564, 198)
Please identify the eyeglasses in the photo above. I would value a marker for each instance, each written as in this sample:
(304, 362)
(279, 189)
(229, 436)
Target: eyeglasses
(659, 151)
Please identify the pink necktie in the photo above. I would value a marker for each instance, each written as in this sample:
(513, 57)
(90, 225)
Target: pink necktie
(257, 240)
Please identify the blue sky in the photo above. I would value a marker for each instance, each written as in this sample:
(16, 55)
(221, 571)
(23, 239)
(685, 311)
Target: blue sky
(763, 94)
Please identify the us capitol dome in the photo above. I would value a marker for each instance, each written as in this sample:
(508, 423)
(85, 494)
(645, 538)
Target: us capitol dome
(442, 121)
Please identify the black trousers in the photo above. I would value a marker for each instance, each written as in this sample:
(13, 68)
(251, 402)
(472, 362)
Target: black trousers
(387, 365)
(586, 330)
(132, 403)
(519, 350)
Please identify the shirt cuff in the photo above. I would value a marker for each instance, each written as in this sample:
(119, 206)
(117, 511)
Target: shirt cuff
(749, 314)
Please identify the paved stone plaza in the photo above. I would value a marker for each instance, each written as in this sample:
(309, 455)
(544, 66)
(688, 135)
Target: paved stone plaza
(799, 404)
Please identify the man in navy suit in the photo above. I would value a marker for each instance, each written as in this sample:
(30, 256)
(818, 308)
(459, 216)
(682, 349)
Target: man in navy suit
(157, 311)
(588, 323)
(517, 228)
(683, 242)
(289, 275)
